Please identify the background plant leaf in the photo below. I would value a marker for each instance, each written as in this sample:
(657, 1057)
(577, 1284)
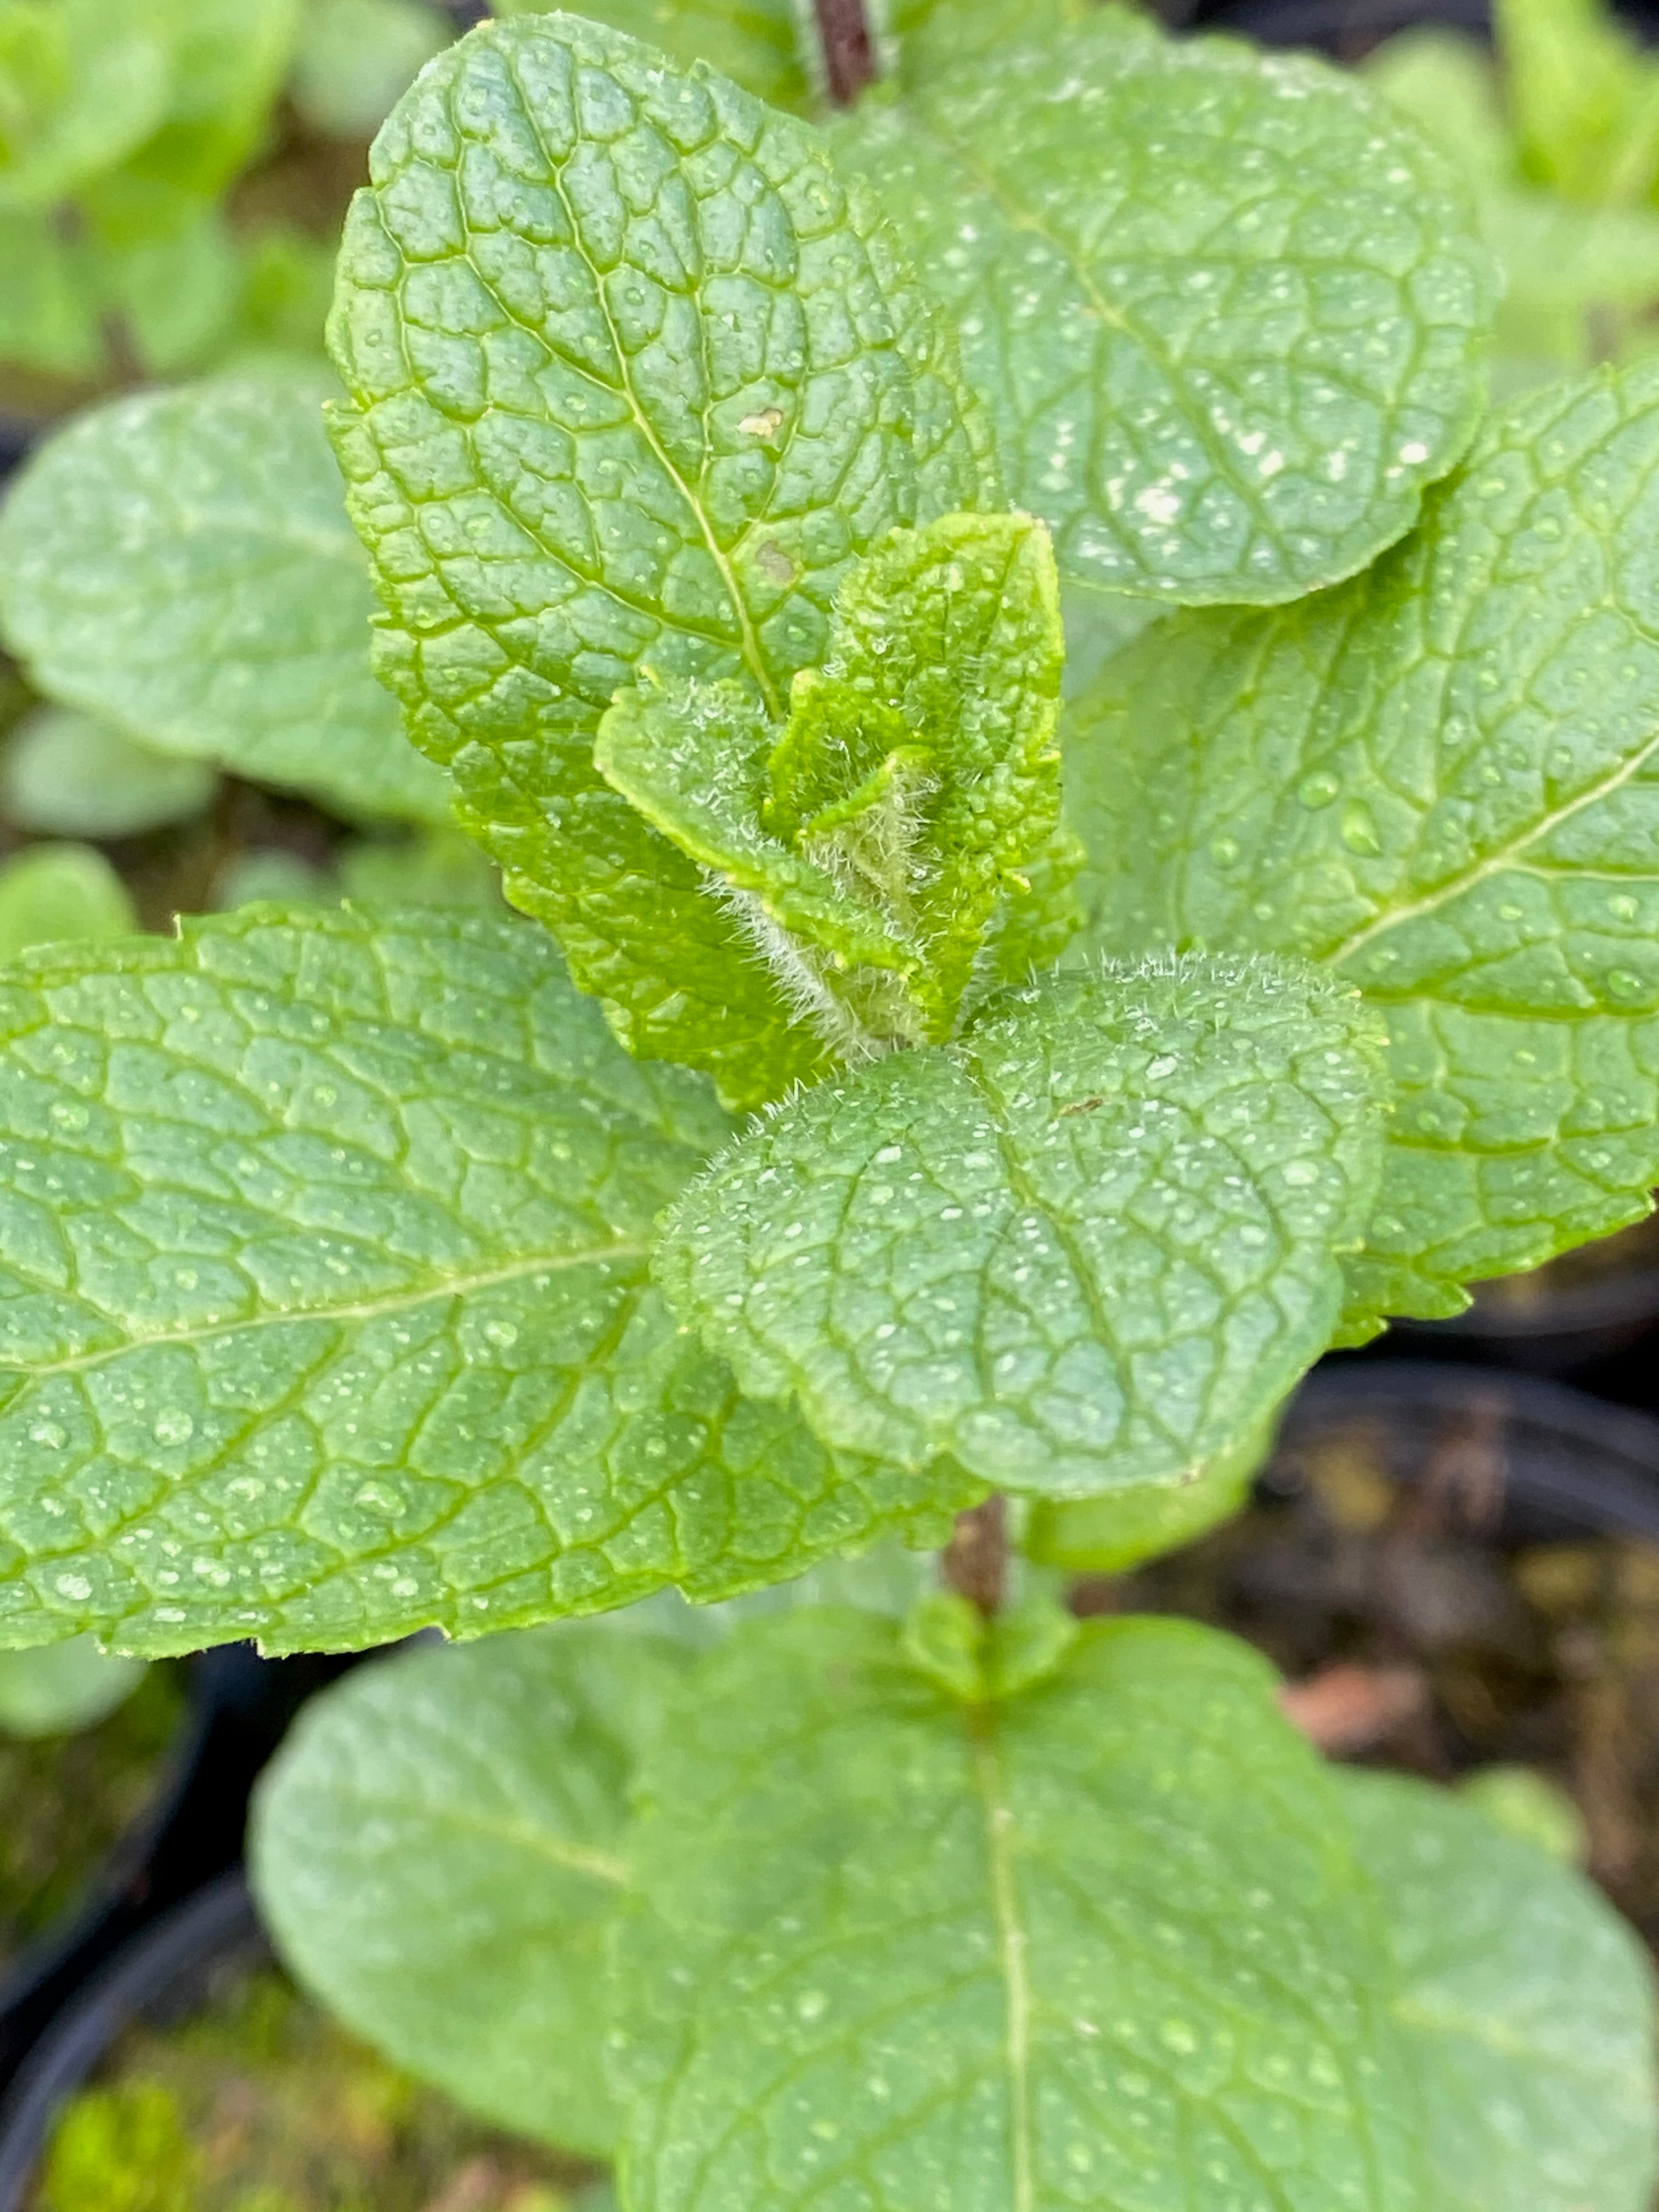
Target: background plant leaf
(1226, 309)
(69, 774)
(479, 1796)
(598, 427)
(1103, 1944)
(1528, 2006)
(324, 1307)
(179, 563)
(1441, 780)
(1092, 1244)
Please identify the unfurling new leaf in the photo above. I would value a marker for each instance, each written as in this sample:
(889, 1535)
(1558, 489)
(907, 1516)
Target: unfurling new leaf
(599, 428)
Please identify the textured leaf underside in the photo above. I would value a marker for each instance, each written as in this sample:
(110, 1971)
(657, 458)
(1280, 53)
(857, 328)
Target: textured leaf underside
(1101, 1946)
(1225, 307)
(180, 563)
(633, 379)
(1443, 780)
(1528, 2006)
(479, 1795)
(324, 1304)
(1090, 1244)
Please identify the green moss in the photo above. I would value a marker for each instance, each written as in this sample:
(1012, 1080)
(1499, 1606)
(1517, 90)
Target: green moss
(65, 1800)
(259, 2103)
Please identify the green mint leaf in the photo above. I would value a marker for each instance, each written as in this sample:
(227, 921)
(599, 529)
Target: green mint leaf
(892, 1950)
(598, 428)
(479, 1795)
(1225, 307)
(1527, 2004)
(69, 774)
(1582, 97)
(49, 316)
(174, 291)
(84, 83)
(356, 59)
(324, 1311)
(58, 894)
(1142, 1521)
(761, 44)
(1441, 781)
(62, 1688)
(179, 563)
(226, 62)
(1091, 1243)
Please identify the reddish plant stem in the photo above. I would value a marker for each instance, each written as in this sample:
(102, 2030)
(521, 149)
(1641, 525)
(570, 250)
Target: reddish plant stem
(974, 1563)
(849, 53)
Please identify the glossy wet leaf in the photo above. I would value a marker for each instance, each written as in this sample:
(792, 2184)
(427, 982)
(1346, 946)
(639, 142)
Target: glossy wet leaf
(479, 1795)
(326, 1311)
(1103, 1945)
(1226, 307)
(1526, 2003)
(1092, 1244)
(598, 427)
(179, 563)
(1441, 781)
(69, 774)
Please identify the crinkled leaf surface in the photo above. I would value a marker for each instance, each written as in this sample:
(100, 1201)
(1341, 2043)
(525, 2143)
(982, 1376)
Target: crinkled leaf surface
(603, 421)
(1091, 1243)
(1441, 780)
(324, 1304)
(1102, 1946)
(1226, 307)
(474, 1798)
(867, 845)
(179, 562)
(761, 44)
(69, 774)
(1528, 2006)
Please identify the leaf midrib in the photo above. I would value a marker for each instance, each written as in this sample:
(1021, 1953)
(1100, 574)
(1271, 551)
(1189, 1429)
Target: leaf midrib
(986, 1765)
(357, 1311)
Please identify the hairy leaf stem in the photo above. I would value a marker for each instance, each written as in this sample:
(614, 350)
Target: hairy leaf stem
(849, 53)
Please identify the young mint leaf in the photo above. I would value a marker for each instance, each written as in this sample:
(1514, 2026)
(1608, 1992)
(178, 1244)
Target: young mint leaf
(62, 1688)
(49, 318)
(1440, 780)
(1582, 96)
(69, 774)
(764, 46)
(479, 1796)
(1225, 307)
(1142, 1521)
(1091, 1243)
(83, 84)
(227, 60)
(324, 1311)
(179, 563)
(56, 893)
(1527, 2004)
(598, 428)
(1100, 1946)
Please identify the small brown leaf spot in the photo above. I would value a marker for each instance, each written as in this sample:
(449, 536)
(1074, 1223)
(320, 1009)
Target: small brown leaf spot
(762, 424)
(1081, 1106)
(775, 563)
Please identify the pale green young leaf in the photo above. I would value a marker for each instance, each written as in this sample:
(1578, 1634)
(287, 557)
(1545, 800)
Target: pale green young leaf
(1444, 81)
(474, 1798)
(1443, 781)
(1091, 1243)
(62, 1687)
(764, 46)
(175, 290)
(325, 1312)
(83, 84)
(356, 58)
(179, 563)
(59, 893)
(69, 774)
(1101, 1946)
(227, 60)
(1582, 98)
(49, 318)
(434, 868)
(1142, 1521)
(598, 426)
(1527, 2006)
(1225, 307)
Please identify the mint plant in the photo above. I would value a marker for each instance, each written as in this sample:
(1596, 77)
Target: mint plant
(911, 1107)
